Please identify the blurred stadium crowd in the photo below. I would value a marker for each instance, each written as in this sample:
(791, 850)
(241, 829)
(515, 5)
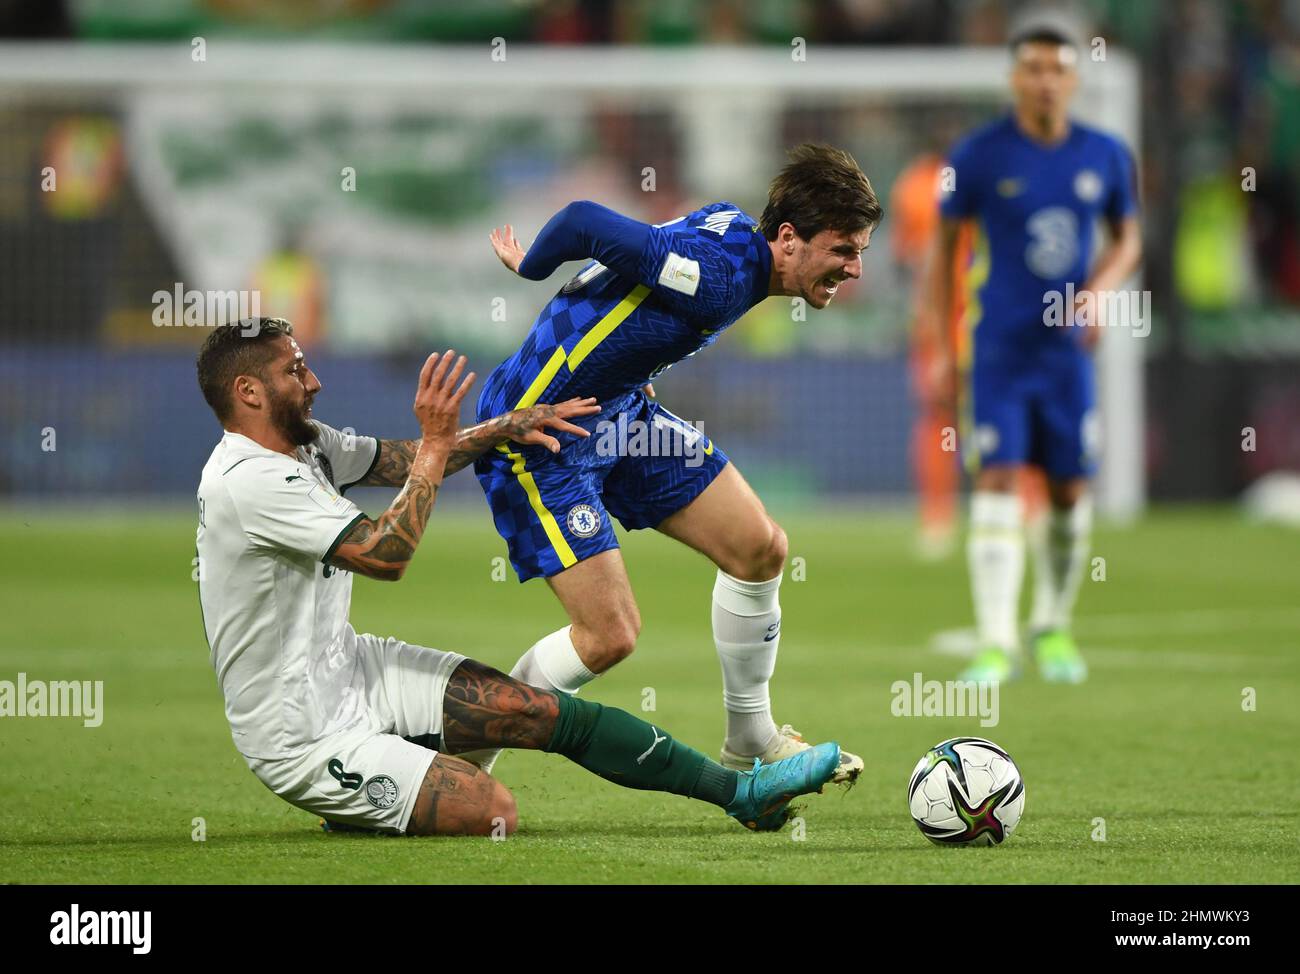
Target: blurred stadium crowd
(1220, 175)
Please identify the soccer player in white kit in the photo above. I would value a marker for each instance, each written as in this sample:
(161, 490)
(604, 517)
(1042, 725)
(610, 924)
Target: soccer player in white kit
(357, 728)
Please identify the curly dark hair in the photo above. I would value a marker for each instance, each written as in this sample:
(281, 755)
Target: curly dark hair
(820, 188)
(237, 348)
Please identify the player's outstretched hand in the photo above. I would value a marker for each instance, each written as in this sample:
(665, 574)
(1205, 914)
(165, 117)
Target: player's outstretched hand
(529, 423)
(438, 397)
(507, 247)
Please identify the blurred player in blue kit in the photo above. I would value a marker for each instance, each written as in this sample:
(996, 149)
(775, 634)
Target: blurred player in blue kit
(1034, 183)
(649, 297)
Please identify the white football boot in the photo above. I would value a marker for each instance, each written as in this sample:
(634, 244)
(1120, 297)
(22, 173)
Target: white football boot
(788, 743)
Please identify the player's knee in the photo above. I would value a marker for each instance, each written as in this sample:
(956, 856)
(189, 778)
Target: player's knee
(502, 812)
(998, 480)
(1065, 494)
(765, 556)
(615, 640)
(620, 638)
(778, 549)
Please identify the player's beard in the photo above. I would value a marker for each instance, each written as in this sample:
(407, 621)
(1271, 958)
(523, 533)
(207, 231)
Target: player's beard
(290, 419)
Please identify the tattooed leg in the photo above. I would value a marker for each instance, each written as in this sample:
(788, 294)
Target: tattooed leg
(485, 708)
(457, 798)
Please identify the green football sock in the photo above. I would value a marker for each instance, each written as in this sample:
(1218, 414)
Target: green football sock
(629, 752)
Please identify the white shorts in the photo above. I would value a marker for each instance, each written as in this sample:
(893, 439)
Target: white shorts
(369, 775)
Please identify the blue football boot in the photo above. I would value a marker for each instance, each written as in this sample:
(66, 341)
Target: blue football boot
(763, 795)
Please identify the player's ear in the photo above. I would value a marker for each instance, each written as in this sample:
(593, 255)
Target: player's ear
(248, 390)
(787, 234)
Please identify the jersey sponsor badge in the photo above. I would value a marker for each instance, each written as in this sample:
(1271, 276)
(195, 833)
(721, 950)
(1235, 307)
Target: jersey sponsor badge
(325, 465)
(1087, 185)
(583, 520)
(381, 791)
(1010, 188)
(680, 274)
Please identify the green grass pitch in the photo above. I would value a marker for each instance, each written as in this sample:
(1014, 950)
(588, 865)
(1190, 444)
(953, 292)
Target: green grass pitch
(1196, 607)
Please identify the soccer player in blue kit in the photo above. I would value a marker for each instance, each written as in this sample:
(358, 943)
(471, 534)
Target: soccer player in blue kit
(1034, 183)
(649, 297)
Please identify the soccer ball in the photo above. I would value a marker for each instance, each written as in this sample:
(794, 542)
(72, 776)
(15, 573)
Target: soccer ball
(966, 791)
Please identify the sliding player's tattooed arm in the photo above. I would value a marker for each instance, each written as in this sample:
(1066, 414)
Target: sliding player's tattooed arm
(382, 548)
(524, 426)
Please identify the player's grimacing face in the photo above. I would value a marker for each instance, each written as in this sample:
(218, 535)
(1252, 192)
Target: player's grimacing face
(290, 389)
(823, 263)
(1044, 78)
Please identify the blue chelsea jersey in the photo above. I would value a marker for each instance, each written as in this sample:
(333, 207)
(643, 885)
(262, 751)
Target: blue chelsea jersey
(605, 334)
(1035, 208)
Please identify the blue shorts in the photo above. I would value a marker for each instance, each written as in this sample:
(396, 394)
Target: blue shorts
(1033, 405)
(640, 464)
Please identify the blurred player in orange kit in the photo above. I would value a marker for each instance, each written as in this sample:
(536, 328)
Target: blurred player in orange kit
(914, 203)
(915, 206)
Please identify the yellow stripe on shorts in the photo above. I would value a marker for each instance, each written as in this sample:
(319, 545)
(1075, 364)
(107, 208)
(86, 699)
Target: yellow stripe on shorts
(586, 345)
(549, 524)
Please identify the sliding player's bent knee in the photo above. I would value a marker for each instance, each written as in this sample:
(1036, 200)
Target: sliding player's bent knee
(459, 799)
(503, 812)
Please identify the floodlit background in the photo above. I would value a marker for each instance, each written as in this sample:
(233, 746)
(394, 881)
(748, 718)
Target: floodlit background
(345, 162)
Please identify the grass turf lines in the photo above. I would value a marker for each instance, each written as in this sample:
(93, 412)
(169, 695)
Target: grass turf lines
(1196, 606)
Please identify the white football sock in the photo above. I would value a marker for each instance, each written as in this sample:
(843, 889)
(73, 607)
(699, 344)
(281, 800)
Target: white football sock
(996, 555)
(551, 663)
(747, 632)
(1069, 539)
(1040, 555)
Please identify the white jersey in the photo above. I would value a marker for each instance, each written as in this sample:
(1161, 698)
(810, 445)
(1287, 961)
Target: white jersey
(276, 615)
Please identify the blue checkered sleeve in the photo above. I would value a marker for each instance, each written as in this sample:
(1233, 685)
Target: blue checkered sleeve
(702, 266)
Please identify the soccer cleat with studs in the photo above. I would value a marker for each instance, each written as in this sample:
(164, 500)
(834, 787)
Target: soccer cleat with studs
(764, 793)
(788, 743)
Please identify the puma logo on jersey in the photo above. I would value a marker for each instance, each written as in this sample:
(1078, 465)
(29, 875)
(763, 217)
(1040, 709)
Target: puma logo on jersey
(293, 477)
(718, 222)
(655, 731)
